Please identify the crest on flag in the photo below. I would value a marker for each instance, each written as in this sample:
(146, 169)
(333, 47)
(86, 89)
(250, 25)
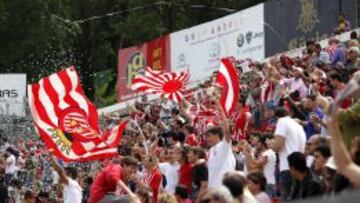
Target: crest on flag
(67, 121)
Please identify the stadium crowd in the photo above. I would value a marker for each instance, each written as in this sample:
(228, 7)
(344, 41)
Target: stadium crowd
(276, 147)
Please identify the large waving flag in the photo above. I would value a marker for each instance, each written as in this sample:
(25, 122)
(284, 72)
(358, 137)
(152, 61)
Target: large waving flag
(228, 79)
(67, 121)
(169, 85)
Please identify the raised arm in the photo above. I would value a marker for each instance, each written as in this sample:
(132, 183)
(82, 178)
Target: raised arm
(226, 127)
(63, 178)
(343, 161)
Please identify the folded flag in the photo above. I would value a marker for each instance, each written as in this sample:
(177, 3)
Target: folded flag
(67, 121)
(169, 85)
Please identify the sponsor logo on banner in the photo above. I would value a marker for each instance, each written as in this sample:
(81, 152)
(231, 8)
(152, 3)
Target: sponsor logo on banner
(133, 60)
(239, 35)
(135, 64)
(12, 94)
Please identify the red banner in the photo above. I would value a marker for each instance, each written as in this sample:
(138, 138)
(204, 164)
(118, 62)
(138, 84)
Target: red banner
(133, 60)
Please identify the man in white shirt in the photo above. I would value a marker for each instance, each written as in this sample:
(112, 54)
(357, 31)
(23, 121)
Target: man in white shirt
(265, 162)
(10, 167)
(220, 158)
(171, 170)
(289, 137)
(72, 191)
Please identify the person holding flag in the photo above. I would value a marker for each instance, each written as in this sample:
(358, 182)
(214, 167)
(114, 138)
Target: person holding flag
(72, 191)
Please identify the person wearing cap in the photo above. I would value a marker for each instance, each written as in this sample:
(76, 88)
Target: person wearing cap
(72, 191)
(296, 82)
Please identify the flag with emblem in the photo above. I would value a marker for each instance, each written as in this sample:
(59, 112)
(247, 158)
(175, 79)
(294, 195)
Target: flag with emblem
(67, 121)
(170, 85)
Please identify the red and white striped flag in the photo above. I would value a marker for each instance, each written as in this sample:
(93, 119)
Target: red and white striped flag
(169, 85)
(67, 121)
(228, 79)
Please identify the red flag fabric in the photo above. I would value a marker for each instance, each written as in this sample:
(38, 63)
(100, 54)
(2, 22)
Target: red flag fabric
(228, 79)
(67, 121)
(170, 85)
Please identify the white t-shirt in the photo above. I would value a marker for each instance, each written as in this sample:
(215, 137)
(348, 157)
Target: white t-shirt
(295, 139)
(10, 167)
(221, 160)
(269, 168)
(262, 197)
(72, 192)
(171, 172)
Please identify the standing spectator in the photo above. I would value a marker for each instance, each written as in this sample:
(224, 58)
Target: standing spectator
(110, 177)
(185, 171)
(352, 59)
(296, 83)
(152, 177)
(191, 139)
(72, 192)
(257, 184)
(10, 166)
(306, 184)
(314, 115)
(266, 162)
(220, 152)
(171, 170)
(200, 174)
(289, 137)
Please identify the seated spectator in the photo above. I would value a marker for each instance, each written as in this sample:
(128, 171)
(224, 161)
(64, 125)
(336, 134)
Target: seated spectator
(238, 186)
(181, 194)
(306, 183)
(321, 155)
(218, 194)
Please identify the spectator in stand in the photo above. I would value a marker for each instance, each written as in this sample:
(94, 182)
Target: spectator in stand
(257, 184)
(237, 184)
(338, 85)
(296, 83)
(289, 137)
(200, 174)
(110, 177)
(218, 194)
(306, 184)
(72, 192)
(167, 198)
(185, 171)
(343, 24)
(321, 155)
(219, 140)
(265, 162)
(191, 139)
(353, 57)
(314, 115)
(10, 167)
(339, 54)
(171, 168)
(181, 194)
(152, 176)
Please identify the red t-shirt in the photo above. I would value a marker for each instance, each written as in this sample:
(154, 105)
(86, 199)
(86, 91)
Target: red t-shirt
(105, 181)
(153, 180)
(191, 140)
(185, 176)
